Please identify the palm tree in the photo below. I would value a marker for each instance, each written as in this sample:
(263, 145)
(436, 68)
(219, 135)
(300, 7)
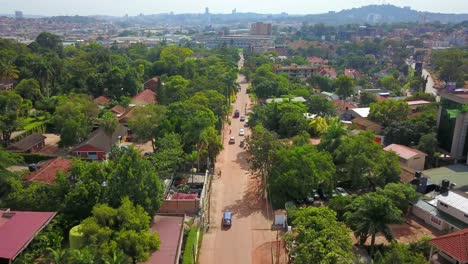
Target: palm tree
(8, 70)
(332, 137)
(109, 124)
(371, 214)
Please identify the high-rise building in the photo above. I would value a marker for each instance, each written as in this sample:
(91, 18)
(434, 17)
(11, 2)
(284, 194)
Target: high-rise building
(260, 28)
(19, 14)
(207, 10)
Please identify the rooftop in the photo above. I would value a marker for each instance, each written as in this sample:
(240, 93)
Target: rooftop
(170, 230)
(27, 143)
(47, 173)
(455, 200)
(432, 209)
(457, 174)
(100, 139)
(367, 124)
(362, 111)
(144, 97)
(102, 100)
(279, 100)
(404, 152)
(18, 228)
(454, 244)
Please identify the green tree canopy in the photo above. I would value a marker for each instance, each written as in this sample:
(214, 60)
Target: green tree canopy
(319, 237)
(388, 111)
(371, 214)
(301, 169)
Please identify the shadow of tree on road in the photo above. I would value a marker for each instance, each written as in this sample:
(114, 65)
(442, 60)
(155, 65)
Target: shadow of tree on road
(251, 202)
(242, 160)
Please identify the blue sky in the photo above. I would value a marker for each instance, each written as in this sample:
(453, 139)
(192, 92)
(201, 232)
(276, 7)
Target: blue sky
(134, 7)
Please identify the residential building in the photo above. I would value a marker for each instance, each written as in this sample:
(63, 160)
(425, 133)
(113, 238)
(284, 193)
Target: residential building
(18, 229)
(316, 61)
(448, 211)
(252, 43)
(118, 110)
(410, 157)
(99, 144)
(280, 100)
(102, 100)
(366, 124)
(450, 248)
(146, 96)
(357, 112)
(452, 123)
(260, 28)
(30, 144)
(46, 172)
(293, 71)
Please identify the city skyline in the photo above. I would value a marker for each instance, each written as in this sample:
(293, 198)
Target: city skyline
(122, 7)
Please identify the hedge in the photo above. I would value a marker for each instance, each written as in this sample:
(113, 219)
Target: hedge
(190, 244)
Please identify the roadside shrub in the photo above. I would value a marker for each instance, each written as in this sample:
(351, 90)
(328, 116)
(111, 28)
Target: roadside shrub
(190, 244)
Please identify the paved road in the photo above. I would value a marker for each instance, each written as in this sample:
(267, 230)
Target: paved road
(430, 83)
(249, 239)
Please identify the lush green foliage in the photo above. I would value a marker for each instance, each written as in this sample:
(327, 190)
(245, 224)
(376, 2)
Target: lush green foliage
(400, 253)
(319, 237)
(388, 111)
(190, 244)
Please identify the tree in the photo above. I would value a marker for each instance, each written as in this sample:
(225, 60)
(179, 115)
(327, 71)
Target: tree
(301, 169)
(29, 89)
(12, 109)
(49, 41)
(371, 214)
(344, 86)
(8, 69)
(400, 253)
(367, 99)
(319, 237)
(321, 106)
(146, 121)
(331, 138)
(109, 124)
(123, 229)
(318, 125)
(74, 117)
(262, 144)
(429, 145)
(391, 84)
(401, 194)
(169, 155)
(173, 89)
(136, 178)
(363, 163)
(388, 111)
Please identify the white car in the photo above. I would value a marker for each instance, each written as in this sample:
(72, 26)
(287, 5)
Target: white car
(241, 132)
(232, 140)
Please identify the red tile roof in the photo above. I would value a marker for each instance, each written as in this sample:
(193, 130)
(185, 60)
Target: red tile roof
(118, 109)
(454, 244)
(18, 228)
(48, 171)
(144, 97)
(404, 151)
(102, 100)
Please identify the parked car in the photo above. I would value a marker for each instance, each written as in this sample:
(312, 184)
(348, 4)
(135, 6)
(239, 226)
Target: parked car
(341, 191)
(236, 113)
(232, 140)
(227, 219)
(241, 132)
(246, 124)
(242, 118)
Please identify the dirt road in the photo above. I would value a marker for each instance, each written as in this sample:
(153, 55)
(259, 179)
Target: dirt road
(250, 238)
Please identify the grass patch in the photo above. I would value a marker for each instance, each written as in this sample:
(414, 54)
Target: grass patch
(190, 243)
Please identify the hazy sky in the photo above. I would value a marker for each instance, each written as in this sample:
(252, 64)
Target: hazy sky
(134, 7)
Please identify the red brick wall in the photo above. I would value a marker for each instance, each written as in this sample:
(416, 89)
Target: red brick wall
(180, 206)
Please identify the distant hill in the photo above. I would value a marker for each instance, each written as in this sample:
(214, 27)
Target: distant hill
(383, 14)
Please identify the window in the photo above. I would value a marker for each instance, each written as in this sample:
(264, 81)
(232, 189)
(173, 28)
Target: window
(92, 153)
(444, 204)
(466, 215)
(78, 154)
